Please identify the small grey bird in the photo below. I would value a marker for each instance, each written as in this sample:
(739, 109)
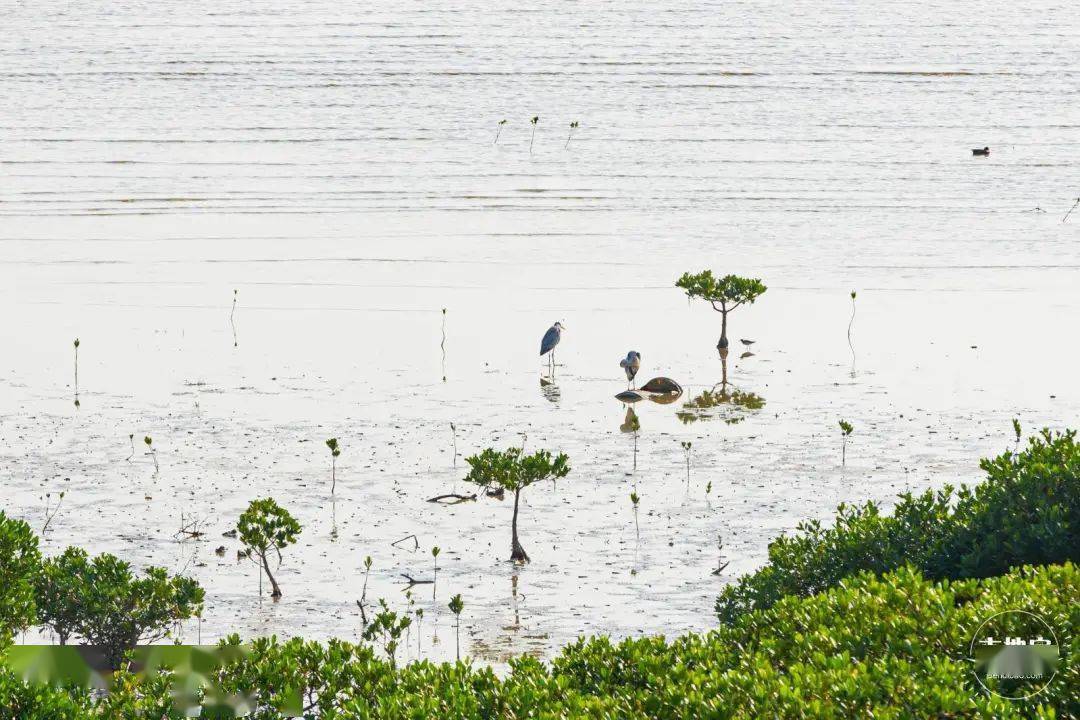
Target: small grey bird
(631, 364)
(747, 343)
(550, 340)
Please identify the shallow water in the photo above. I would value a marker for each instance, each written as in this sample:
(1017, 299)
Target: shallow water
(336, 167)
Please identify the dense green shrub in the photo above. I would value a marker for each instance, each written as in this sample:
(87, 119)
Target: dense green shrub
(893, 646)
(19, 560)
(1027, 512)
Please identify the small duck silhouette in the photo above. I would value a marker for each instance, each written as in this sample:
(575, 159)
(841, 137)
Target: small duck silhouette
(981, 151)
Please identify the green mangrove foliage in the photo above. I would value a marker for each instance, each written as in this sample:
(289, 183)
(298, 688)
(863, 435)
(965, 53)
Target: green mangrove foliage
(19, 559)
(1027, 511)
(894, 646)
(512, 471)
(724, 294)
(265, 528)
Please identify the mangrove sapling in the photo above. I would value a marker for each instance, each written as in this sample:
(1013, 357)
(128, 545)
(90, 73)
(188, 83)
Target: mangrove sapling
(51, 513)
(266, 527)
(498, 131)
(850, 323)
(435, 556)
(456, 605)
(724, 294)
(76, 370)
(687, 446)
(335, 452)
(846, 429)
(362, 602)
(453, 439)
(534, 121)
(419, 612)
(131, 439)
(386, 629)
(1017, 432)
(573, 127)
(512, 470)
(720, 564)
(152, 452)
(1074, 206)
(232, 318)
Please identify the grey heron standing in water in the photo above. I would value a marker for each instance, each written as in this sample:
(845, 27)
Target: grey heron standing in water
(551, 339)
(631, 364)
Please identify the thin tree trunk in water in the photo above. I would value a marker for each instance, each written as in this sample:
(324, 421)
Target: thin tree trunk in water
(517, 553)
(723, 330)
(273, 583)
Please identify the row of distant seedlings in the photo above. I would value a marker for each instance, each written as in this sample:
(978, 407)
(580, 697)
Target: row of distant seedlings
(532, 138)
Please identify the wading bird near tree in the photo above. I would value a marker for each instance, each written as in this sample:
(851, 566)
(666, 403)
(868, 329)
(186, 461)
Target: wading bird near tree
(631, 364)
(550, 340)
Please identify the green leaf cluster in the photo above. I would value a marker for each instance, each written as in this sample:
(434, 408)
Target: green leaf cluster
(19, 560)
(266, 526)
(513, 470)
(730, 290)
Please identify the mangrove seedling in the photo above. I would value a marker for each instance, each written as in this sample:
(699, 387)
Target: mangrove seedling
(635, 499)
(131, 439)
(386, 629)
(435, 556)
(419, 619)
(708, 488)
(724, 294)
(534, 121)
(720, 564)
(51, 513)
(498, 131)
(264, 528)
(335, 451)
(453, 439)
(232, 318)
(152, 452)
(76, 367)
(573, 127)
(362, 602)
(511, 470)
(1074, 206)
(852, 320)
(846, 429)
(456, 605)
(687, 446)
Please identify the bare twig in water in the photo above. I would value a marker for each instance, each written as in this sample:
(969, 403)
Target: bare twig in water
(1070, 210)
(416, 543)
(453, 497)
(189, 528)
(413, 581)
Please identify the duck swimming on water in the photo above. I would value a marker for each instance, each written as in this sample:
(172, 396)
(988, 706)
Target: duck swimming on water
(981, 151)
